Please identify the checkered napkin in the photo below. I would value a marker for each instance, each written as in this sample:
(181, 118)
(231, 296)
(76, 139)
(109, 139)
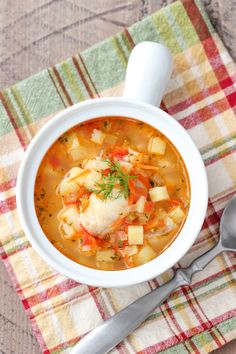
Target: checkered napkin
(202, 96)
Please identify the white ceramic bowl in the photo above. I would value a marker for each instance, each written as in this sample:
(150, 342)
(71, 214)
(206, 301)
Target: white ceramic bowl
(134, 107)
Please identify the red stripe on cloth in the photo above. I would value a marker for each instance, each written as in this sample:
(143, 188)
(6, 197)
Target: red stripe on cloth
(204, 113)
(35, 327)
(206, 92)
(196, 19)
(130, 39)
(98, 304)
(193, 308)
(7, 204)
(232, 99)
(12, 120)
(7, 185)
(20, 249)
(54, 291)
(220, 156)
(214, 58)
(208, 320)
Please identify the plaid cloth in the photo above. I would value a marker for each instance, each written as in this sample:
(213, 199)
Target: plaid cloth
(202, 96)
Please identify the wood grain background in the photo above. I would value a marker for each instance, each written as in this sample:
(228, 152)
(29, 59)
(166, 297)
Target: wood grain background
(35, 34)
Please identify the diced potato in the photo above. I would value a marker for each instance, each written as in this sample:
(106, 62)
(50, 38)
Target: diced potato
(95, 164)
(177, 214)
(155, 242)
(145, 255)
(135, 234)
(72, 181)
(159, 193)
(97, 136)
(140, 204)
(91, 179)
(69, 215)
(110, 139)
(126, 165)
(107, 255)
(129, 251)
(76, 151)
(68, 231)
(156, 145)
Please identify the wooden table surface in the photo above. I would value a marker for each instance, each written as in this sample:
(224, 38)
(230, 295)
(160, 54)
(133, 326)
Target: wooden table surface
(36, 34)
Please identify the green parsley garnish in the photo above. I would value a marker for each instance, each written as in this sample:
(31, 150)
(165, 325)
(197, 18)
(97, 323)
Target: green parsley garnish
(109, 181)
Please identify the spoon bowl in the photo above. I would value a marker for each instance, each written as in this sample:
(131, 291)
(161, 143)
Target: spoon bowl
(228, 226)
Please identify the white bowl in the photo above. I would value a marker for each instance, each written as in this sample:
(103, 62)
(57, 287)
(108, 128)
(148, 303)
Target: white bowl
(102, 107)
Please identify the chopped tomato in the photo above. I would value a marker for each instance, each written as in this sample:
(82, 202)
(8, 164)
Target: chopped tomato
(81, 191)
(87, 239)
(119, 153)
(71, 198)
(54, 161)
(149, 207)
(137, 189)
(144, 180)
(106, 171)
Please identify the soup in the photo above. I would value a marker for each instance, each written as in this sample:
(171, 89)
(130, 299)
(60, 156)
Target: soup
(112, 193)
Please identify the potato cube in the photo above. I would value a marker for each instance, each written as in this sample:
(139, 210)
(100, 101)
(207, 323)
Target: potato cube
(159, 193)
(97, 164)
(135, 234)
(156, 145)
(97, 136)
(72, 181)
(145, 255)
(69, 215)
(107, 255)
(126, 165)
(68, 231)
(129, 251)
(76, 151)
(177, 214)
(91, 179)
(140, 204)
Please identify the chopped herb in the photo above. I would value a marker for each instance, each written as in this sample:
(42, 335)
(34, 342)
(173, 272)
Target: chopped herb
(63, 139)
(109, 181)
(42, 194)
(152, 183)
(115, 256)
(120, 243)
(50, 214)
(107, 124)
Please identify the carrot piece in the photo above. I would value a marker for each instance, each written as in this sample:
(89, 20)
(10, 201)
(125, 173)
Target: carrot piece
(175, 202)
(147, 167)
(144, 180)
(117, 223)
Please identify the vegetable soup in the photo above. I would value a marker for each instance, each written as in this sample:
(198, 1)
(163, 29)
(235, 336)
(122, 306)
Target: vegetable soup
(112, 193)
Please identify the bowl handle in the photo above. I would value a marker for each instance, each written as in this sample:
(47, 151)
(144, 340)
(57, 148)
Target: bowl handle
(148, 72)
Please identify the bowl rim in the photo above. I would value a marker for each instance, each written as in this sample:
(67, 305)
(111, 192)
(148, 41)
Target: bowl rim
(113, 106)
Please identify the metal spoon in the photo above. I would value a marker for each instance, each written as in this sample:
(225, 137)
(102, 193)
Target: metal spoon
(106, 336)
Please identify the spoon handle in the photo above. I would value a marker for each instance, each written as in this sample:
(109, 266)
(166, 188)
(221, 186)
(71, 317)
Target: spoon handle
(106, 336)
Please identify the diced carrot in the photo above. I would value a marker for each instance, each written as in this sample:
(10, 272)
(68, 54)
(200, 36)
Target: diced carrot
(175, 202)
(147, 167)
(144, 180)
(117, 223)
(149, 207)
(70, 199)
(81, 191)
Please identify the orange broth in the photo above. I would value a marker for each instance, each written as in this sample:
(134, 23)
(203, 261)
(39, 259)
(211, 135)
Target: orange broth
(112, 193)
